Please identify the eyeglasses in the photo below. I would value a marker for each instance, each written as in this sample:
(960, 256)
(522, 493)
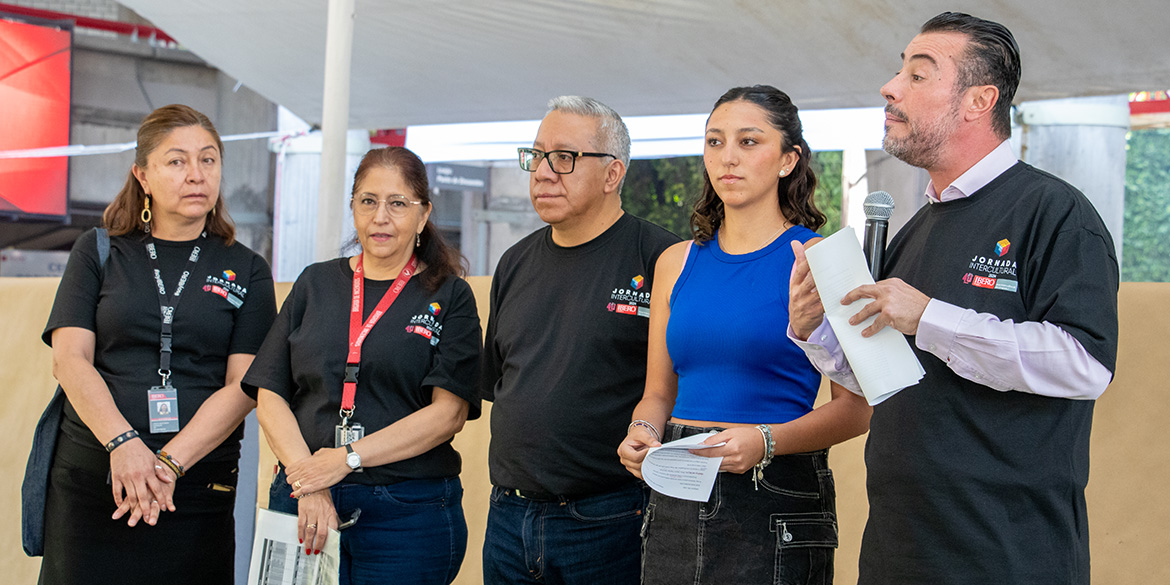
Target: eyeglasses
(397, 206)
(561, 162)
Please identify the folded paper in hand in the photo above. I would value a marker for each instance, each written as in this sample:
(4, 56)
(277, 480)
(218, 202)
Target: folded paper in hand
(884, 363)
(674, 471)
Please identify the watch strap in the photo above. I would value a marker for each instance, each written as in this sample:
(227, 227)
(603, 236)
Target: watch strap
(349, 451)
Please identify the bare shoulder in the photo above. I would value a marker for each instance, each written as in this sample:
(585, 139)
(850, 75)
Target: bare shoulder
(670, 265)
(670, 262)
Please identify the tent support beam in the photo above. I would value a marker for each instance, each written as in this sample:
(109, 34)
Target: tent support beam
(334, 125)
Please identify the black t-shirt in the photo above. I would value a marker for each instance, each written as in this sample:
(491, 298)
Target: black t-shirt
(424, 340)
(966, 483)
(226, 308)
(565, 356)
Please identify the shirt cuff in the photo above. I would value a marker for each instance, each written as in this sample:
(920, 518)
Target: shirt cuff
(938, 327)
(827, 356)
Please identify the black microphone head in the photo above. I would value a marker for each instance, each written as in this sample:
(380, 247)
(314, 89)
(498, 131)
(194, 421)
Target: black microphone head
(879, 205)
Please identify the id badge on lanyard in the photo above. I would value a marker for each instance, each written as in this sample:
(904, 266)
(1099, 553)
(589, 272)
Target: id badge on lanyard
(346, 433)
(162, 401)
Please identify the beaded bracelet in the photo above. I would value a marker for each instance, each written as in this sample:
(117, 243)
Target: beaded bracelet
(645, 423)
(122, 438)
(171, 462)
(769, 446)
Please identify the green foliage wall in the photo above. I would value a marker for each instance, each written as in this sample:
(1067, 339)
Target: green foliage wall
(1145, 247)
(663, 190)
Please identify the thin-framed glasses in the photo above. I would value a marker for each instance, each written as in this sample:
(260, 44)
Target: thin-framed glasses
(561, 162)
(397, 206)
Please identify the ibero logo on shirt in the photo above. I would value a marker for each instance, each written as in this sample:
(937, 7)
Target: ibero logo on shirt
(425, 324)
(225, 286)
(996, 271)
(631, 300)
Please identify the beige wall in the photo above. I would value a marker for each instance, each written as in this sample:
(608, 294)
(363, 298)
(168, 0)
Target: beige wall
(1130, 467)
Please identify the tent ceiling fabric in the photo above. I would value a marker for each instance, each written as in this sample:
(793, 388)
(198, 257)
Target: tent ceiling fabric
(471, 61)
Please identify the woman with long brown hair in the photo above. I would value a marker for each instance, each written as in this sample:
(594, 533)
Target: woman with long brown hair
(149, 347)
(368, 373)
(719, 361)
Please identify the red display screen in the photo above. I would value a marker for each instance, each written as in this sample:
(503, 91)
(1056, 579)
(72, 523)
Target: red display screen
(34, 113)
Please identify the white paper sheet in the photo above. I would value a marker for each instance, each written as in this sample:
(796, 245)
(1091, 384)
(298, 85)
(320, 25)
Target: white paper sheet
(674, 471)
(884, 363)
(279, 559)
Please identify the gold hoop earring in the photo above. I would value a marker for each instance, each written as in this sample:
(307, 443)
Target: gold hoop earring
(212, 212)
(145, 216)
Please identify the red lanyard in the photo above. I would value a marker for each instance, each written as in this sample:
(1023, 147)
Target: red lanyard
(358, 331)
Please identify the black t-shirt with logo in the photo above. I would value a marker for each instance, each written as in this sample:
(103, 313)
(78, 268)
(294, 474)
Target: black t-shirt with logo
(226, 307)
(967, 483)
(424, 340)
(565, 356)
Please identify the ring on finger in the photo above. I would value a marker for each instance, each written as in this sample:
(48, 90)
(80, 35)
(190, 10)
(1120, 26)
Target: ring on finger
(311, 526)
(297, 484)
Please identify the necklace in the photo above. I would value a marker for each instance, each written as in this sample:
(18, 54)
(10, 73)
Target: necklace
(783, 226)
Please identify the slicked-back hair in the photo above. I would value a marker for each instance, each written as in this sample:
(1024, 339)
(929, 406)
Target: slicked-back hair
(992, 58)
(122, 215)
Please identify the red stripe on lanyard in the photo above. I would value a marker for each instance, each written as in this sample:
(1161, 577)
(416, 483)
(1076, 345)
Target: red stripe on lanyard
(358, 330)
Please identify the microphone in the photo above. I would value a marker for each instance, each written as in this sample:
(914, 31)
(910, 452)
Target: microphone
(879, 206)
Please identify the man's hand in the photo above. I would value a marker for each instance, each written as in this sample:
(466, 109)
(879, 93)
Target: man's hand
(895, 303)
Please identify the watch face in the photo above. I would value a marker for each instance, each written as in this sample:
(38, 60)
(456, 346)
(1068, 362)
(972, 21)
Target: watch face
(353, 460)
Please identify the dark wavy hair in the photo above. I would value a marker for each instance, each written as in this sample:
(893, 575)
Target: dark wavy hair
(440, 258)
(795, 191)
(992, 58)
(123, 214)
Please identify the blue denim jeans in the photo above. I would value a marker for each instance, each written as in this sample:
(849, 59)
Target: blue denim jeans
(571, 541)
(785, 532)
(408, 532)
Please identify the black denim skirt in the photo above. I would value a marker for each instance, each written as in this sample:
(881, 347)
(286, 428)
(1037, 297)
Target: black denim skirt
(783, 532)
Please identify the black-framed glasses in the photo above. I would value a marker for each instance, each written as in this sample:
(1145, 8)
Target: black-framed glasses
(562, 162)
(396, 205)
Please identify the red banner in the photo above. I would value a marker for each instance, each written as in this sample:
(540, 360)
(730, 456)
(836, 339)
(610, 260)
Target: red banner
(34, 113)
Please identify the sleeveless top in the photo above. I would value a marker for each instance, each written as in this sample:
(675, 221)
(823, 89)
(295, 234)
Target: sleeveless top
(727, 336)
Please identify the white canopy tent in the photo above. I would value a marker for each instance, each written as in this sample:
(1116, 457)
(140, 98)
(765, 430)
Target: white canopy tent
(483, 60)
(454, 61)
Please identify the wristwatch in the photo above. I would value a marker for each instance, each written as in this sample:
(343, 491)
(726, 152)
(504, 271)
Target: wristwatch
(352, 459)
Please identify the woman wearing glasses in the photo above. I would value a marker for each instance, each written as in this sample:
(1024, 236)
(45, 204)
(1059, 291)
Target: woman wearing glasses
(367, 374)
(719, 360)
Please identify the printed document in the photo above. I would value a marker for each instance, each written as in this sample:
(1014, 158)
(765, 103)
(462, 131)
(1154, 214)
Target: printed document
(674, 471)
(278, 559)
(884, 363)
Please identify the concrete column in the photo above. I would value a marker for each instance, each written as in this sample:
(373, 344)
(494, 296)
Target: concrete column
(334, 124)
(1082, 140)
(247, 164)
(854, 188)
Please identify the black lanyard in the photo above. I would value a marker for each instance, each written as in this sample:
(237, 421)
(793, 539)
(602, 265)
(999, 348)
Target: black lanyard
(167, 307)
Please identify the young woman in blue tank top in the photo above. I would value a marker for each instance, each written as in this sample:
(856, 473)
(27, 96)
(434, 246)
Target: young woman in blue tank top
(720, 359)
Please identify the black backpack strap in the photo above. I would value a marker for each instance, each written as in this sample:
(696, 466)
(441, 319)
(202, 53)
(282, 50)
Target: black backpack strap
(103, 246)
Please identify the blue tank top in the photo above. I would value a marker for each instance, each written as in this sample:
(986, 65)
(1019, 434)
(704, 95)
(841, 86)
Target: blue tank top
(728, 336)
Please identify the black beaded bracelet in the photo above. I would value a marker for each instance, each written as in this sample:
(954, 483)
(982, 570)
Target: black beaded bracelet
(122, 438)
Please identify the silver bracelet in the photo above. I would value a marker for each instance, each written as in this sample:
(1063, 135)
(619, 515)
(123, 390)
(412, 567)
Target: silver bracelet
(769, 447)
(645, 423)
(769, 444)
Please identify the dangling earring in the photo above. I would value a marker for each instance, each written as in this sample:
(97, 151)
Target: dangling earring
(145, 217)
(212, 212)
(417, 240)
